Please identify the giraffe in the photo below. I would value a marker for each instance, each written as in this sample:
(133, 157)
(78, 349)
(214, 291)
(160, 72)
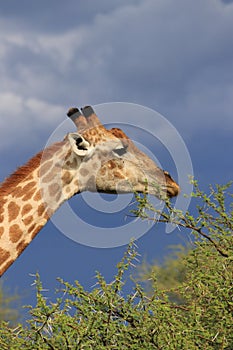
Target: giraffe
(89, 159)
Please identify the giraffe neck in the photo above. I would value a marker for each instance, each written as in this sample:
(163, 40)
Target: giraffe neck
(30, 196)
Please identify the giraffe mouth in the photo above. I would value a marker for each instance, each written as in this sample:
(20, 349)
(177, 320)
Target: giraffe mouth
(172, 191)
(164, 191)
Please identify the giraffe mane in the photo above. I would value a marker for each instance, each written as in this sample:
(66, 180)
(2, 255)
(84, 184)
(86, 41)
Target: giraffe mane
(23, 171)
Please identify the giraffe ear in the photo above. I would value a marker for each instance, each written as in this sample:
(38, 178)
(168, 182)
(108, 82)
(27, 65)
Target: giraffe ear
(79, 145)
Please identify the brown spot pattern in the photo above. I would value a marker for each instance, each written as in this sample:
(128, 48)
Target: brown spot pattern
(37, 229)
(1, 231)
(58, 196)
(84, 172)
(26, 209)
(111, 164)
(25, 171)
(1, 207)
(68, 155)
(21, 246)
(18, 192)
(29, 186)
(54, 189)
(49, 213)
(72, 164)
(15, 233)
(4, 255)
(66, 178)
(28, 195)
(6, 266)
(45, 167)
(40, 210)
(49, 177)
(13, 211)
(21, 191)
(3, 201)
(31, 228)
(37, 196)
(28, 220)
(91, 183)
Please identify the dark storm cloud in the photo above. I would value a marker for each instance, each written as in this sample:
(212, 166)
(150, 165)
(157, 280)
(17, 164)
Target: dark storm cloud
(174, 57)
(227, 1)
(56, 15)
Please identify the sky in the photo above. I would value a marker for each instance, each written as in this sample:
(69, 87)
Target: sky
(175, 58)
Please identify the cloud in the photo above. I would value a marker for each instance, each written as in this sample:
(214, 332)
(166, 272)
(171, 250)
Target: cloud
(174, 57)
(29, 117)
(54, 16)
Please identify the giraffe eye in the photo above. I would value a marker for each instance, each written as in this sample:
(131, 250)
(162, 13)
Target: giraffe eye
(120, 151)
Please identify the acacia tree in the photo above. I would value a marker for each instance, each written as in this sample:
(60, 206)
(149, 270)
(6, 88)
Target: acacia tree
(192, 312)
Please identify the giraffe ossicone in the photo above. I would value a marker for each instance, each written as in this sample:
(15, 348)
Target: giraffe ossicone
(90, 159)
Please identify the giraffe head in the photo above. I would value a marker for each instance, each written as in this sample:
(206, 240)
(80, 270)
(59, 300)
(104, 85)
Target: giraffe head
(91, 159)
(110, 162)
